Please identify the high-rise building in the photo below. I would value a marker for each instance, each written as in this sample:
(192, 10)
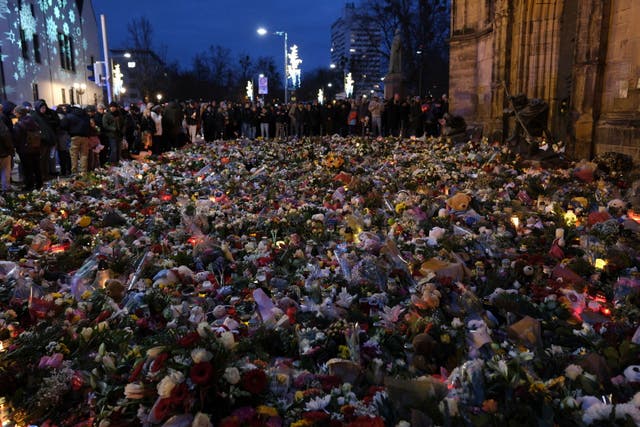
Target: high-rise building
(355, 49)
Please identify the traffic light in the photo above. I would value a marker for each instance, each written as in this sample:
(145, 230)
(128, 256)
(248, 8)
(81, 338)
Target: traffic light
(92, 76)
(99, 73)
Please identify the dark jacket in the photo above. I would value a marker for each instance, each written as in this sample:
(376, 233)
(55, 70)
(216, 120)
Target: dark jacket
(76, 122)
(113, 124)
(6, 139)
(26, 123)
(48, 121)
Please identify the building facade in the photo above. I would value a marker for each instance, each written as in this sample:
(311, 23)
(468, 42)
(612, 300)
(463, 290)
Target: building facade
(355, 48)
(48, 48)
(581, 56)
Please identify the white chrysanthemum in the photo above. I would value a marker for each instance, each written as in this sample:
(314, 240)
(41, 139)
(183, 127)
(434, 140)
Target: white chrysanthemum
(227, 340)
(318, 403)
(200, 355)
(573, 371)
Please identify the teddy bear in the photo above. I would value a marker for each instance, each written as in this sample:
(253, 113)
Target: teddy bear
(459, 202)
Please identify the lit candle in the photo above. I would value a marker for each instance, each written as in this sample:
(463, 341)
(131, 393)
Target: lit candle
(600, 264)
(515, 221)
(570, 217)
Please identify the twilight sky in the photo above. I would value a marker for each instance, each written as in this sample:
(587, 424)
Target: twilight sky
(188, 27)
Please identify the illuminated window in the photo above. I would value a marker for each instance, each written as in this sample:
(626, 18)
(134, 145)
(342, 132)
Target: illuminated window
(65, 45)
(36, 49)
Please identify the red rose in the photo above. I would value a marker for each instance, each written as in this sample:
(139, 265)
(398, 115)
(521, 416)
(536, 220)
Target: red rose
(365, 421)
(201, 373)
(315, 416)
(161, 409)
(179, 393)
(136, 371)
(329, 382)
(189, 339)
(254, 381)
(158, 363)
(230, 422)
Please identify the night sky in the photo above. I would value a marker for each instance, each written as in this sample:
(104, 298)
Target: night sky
(188, 27)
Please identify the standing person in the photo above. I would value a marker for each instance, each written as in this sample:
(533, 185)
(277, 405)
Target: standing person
(394, 115)
(171, 125)
(49, 122)
(352, 118)
(95, 146)
(264, 123)
(157, 145)
(112, 125)
(147, 128)
(104, 141)
(295, 118)
(27, 138)
(76, 122)
(209, 122)
(192, 117)
(281, 123)
(375, 109)
(64, 143)
(6, 155)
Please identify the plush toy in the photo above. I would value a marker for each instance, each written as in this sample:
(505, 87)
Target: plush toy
(459, 201)
(423, 347)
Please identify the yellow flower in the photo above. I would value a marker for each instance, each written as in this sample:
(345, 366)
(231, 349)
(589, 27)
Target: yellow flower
(301, 423)
(445, 338)
(84, 221)
(344, 352)
(401, 207)
(86, 294)
(299, 396)
(56, 295)
(267, 410)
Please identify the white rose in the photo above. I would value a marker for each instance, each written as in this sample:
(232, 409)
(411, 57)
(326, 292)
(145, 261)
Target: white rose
(169, 382)
(204, 329)
(154, 351)
(232, 375)
(134, 391)
(102, 326)
(201, 420)
(86, 333)
(108, 362)
(227, 340)
(200, 355)
(573, 371)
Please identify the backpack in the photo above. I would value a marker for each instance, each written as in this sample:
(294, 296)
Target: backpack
(34, 139)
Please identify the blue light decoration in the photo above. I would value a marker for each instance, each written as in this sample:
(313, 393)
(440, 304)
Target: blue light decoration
(46, 46)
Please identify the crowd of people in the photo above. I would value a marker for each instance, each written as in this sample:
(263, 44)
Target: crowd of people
(70, 139)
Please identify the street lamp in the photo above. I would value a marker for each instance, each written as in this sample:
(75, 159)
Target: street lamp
(80, 89)
(262, 32)
(159, 97)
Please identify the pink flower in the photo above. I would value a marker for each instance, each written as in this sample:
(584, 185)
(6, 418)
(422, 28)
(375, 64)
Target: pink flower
(54, 361)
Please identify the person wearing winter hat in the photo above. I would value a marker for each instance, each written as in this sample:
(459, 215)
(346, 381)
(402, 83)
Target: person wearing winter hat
(49, 122)
(113, 127)
(25, 130)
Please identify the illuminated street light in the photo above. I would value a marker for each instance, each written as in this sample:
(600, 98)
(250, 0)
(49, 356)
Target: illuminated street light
(332, 66)
(262, 32)
(159, 97)
(127, 55)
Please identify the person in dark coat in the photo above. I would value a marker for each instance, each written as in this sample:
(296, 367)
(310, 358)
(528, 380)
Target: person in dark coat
(49, 123)
(6, 154)
(30, 160)
(172, 124)
(209, 122)
(113, 127)
(77, 123)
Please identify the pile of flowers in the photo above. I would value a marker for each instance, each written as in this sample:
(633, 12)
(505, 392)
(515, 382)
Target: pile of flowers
(323, 282)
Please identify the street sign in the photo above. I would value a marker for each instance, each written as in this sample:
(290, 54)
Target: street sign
(263, 85)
